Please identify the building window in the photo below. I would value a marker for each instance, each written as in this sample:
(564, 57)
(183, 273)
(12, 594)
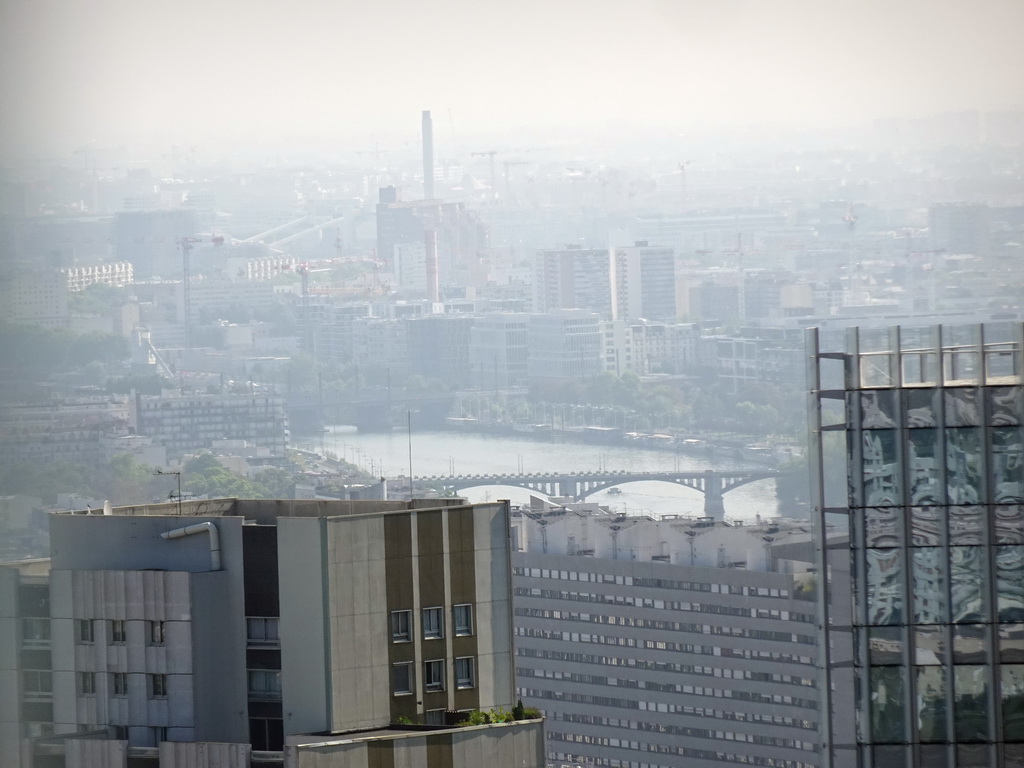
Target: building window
(120, 683)
(155, 631)
(118, 634)
(159, 734)
(85, 631)
(433, 623)
(434, 717)
(463, 619)
(87, 683)
(265, 684)
(263, 631)
(433, 675)
(464, 677)
(401, 678)
(119, 732)
(401, 626)
(37, 683)
(35, 631)
(157, 686)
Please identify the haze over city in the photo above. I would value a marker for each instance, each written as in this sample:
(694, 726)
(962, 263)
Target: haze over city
(191, 72)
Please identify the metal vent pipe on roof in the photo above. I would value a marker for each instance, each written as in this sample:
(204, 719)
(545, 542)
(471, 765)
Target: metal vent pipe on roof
(190, 530)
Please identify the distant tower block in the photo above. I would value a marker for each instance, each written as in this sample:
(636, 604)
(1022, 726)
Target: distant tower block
(433, 285)
(428, 156)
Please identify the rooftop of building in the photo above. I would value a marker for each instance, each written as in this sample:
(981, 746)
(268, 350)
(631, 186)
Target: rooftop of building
(268, 511)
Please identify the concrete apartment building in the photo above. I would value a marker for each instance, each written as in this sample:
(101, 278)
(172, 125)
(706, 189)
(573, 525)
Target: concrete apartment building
(574, 278)
(565, 344)
(188, 423)
(674, 642)
(295, 633)
(932, 419)
(645, 282)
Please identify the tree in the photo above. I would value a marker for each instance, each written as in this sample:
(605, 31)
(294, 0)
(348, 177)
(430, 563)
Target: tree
(204, 475)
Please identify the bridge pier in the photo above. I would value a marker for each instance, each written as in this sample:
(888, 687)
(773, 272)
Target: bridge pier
(714, 503)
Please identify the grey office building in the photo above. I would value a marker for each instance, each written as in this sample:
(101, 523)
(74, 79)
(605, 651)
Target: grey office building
(670, 642)
(919, 453)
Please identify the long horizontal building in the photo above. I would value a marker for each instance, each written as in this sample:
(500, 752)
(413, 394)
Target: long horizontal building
(671, 643)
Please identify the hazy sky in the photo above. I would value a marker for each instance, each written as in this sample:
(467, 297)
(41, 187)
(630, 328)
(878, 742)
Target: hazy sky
(75, 71)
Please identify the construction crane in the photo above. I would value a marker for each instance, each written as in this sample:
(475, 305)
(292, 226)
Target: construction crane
(186, 244)
(304, 272)
(494, 174)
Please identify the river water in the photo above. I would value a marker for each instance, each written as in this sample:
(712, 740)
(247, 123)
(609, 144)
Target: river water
(461, 453)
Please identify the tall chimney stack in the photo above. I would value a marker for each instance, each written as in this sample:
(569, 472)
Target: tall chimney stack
(428, 156)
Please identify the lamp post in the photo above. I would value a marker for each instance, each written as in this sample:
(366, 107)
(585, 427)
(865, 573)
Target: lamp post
(178, 474)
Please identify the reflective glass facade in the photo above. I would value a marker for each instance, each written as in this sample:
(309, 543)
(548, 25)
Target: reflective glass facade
(931, 419)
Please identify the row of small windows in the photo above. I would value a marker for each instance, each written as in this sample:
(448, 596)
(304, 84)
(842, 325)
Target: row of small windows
(631, 581)
(663, 666)
(702, 754)
(650, 685)
(403, 681)
(571, 760)
(674, 605)
(117, 631)
(156, 684)
(665, 708)
(671, 626)
(432, 623)
(703, 712)
(695, 733)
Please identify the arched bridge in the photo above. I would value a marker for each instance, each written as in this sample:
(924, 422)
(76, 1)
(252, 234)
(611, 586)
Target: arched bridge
(579, 485)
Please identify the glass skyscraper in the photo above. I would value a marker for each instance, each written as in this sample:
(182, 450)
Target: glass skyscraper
(925, 551)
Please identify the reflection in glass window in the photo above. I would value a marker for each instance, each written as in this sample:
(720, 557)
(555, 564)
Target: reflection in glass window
(929, 585)
(971, 702)
(970, 644)
(1007, 465)
(930, 646)
(1011, 643)
(924, 467)
(920, 407)
(931, 704)
(962, 407)
(878, 409)
(1011, 691)
(885, 586)
(966, 584)
(885, 644)
(1009, 524)
(1004, 406)
(881, 473)
(887, 705)
(963, 461)
(1010, 582)
(883, 526)
(926, 524)
(966, 526)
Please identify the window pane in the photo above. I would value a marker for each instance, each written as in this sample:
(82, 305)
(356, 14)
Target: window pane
(1010, 582)
(433, 626)
(930, 646)
(963, 463)
(886, 645)
(463, 619)
(966, 584)
(878, 409)
(887, 705)
(920, 407)
(400, 626)
(1012, 693)
(970, 644)
(924, 467)
(885, 586)
(926, 524)
(1011, 643)
(1004, 405)
(1007, 465)
(402, 678)
(961, 407)
(931, 704)
(881, 475)
(929, 586)
(966, 526)
(971, 703)
(1009, 524)
(883, 526)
